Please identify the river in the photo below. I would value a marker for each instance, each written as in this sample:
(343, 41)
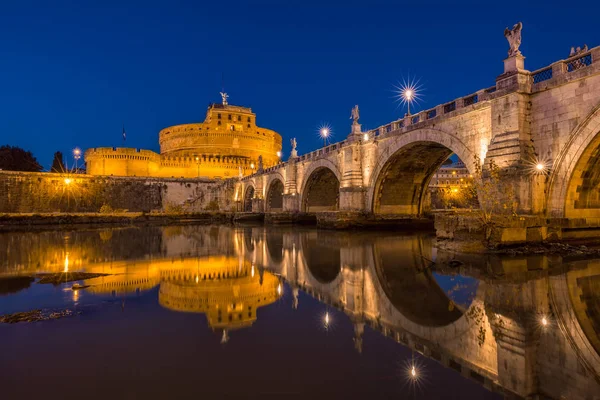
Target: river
(239, 312)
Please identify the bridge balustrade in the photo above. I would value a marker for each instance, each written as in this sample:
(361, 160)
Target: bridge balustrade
(542, 75)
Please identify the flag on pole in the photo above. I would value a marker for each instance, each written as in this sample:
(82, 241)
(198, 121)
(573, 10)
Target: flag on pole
(124, 135)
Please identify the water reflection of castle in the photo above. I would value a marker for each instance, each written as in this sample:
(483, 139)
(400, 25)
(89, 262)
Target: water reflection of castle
(515, 325)
(226, 289)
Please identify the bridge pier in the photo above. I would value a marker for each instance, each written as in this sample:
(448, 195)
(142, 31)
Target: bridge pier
(291, 203)
(352, 199)
(258, 205)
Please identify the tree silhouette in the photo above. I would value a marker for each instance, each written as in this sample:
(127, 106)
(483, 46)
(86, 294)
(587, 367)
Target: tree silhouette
(14, 158)
(58, 165)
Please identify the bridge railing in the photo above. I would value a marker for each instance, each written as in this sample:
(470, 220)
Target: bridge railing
(431, 113)
(564, 67)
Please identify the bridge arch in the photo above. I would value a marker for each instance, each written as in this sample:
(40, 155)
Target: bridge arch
(247, 200)
(404, 167)
(274, 197)
(320, 190)
(574, 185)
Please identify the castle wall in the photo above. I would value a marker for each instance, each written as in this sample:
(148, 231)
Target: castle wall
(119, 161)
(40, 192)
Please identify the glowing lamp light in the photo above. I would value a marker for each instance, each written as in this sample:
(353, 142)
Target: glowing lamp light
(408, 92)
(252, 165)
(326, 319)
(197, 279)
(324, 132)
(540, 167)
(279, 289)
(68, 181)
(413, 372)
(455, 190)
(544, 321)
(366, 137)
(279, 154)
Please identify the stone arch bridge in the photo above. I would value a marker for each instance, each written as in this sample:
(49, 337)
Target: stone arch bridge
(549, 117)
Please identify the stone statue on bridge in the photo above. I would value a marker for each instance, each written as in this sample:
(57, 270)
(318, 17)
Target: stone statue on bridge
(294, 153)
(355, 115)
(260, 164)
(355, 125)
(514, 39)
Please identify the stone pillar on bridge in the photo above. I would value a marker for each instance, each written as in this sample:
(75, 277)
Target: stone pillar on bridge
(352, 190)
(510, 145)
(290, 193)
(258, 202)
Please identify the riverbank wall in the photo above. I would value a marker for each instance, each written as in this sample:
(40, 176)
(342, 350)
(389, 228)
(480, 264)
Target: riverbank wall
(509, 231)
(43, 192)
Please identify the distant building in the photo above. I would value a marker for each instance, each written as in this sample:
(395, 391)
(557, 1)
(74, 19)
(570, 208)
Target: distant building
(226, 142)
(453, 175)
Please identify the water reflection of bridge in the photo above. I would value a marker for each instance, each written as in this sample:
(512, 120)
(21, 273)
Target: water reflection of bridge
(494, 334)
(482, 319)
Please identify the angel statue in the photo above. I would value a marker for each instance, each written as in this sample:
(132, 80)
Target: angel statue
(294, 144)
(514, 39)
(224, 97)
(355, 115)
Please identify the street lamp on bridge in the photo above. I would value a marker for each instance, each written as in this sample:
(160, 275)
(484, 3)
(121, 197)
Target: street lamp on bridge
(324, 134)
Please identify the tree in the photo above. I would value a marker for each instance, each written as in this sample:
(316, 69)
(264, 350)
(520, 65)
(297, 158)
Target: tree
(495, 194)
(58, 164)
(14, 158)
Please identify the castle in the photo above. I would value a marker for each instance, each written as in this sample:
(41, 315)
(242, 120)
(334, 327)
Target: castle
(226, 144)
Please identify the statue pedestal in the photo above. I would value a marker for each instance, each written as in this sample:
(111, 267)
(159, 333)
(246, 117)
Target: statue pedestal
(514, 64)
(356, 132)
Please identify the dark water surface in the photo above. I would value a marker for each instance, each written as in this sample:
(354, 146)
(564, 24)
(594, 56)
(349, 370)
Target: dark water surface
(243, 312)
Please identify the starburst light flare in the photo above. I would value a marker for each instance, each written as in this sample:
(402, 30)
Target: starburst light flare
(408, 92)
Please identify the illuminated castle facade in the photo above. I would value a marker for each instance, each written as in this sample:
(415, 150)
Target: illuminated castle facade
(226, 144)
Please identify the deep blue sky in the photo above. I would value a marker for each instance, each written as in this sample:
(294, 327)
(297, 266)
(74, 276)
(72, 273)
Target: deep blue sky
(72, 72)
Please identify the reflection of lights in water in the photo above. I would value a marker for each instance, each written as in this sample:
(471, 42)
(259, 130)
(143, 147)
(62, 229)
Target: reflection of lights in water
(197, 278)
(412, 372)
(252, 271)
(75, 295)
(66, 269)
(544, 321)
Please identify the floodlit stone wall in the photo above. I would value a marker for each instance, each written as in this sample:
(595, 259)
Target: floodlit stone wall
(40, 192)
